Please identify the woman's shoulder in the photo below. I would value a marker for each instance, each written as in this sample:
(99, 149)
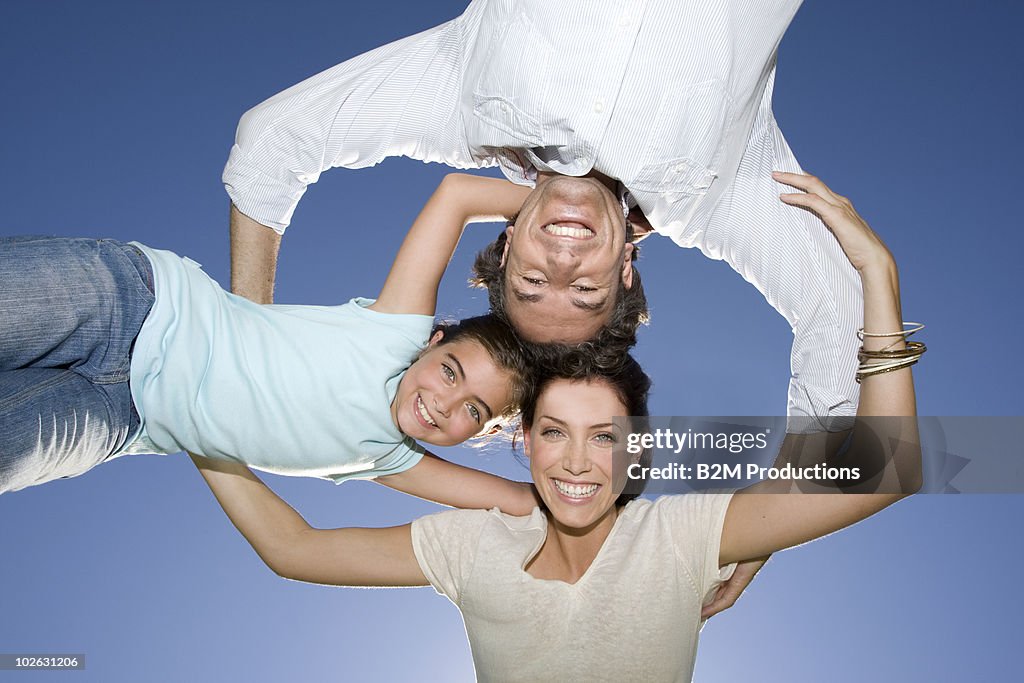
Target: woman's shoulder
(451, 543)
(678, 508)
(493, 520)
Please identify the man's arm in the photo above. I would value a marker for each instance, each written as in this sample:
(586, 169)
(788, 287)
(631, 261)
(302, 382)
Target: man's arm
(401, 99)
(254, 250)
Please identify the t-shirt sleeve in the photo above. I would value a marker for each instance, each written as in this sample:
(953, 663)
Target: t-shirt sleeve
(398, 338)
(695, 521)
(404, 456)
(411, 327)
(446, 547)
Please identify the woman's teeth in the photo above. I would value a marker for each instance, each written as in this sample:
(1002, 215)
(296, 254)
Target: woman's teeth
(576, 490)
(423, 412)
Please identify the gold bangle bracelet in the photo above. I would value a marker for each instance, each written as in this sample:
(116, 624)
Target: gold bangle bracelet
(914, 328)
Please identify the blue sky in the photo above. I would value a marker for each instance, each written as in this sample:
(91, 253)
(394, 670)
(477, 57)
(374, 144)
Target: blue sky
(117, 119)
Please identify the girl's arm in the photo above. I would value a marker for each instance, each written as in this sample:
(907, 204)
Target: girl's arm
(411, 286)
(761, 519)
(445, 482)
(295, 550)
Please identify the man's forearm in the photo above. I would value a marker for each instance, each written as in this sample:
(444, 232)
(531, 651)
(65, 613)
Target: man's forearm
(254, 249)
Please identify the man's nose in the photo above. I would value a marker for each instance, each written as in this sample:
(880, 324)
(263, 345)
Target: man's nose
(563, 259)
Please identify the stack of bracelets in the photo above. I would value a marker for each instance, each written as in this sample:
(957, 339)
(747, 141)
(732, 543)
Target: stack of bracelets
(888, 359)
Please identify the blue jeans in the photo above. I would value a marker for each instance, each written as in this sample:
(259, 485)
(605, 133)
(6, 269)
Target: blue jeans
(70, 310)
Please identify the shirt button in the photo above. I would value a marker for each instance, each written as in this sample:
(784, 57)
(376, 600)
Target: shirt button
(599, 105)
(624, 21)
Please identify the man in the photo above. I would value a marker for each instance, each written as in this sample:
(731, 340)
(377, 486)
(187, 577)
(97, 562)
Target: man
(672, 99)
(604, 104)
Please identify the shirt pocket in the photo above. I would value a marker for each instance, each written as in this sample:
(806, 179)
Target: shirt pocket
(511, 88)
(685, 141)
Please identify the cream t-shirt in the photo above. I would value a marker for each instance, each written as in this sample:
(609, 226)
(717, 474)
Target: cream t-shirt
(634, 615)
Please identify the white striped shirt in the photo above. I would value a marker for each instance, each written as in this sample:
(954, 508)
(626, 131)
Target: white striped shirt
(672, 98)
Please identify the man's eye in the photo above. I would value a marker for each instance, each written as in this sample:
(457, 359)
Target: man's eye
(448, 372)
(534, 281)
(585, 288)
(473, 411)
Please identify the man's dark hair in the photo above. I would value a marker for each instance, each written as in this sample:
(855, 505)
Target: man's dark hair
(614, 339)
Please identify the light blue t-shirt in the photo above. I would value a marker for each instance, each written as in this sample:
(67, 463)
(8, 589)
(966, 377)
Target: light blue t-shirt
(296, 390)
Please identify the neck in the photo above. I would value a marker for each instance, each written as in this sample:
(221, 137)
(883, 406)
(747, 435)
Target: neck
(568, 552)
(610, 183)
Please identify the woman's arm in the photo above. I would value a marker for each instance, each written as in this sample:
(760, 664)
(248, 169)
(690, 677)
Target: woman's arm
(440, 481)
(411, 286)
(761, 519)
(295, 550)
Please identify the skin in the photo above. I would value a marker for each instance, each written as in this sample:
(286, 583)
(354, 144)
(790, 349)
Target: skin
(568, 444)
(890, 394)
(561, 288)
(570, 448)
(411, 288)
(459, 388)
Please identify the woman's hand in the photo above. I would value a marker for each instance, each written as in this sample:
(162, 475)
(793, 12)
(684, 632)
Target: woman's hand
(770, 515)
(860, 243)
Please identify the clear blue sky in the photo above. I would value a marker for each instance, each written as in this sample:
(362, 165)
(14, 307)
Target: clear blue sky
(117, 118)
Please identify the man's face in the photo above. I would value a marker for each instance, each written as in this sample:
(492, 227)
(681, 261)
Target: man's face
(564, 260)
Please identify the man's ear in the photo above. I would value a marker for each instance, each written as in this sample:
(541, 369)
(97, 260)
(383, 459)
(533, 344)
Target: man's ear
(627, 266)
(508, 241)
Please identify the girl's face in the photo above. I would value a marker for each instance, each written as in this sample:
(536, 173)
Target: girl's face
(570, 450)
(453, 392)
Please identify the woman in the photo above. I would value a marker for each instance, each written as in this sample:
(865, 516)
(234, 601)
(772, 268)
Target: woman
(546, 596)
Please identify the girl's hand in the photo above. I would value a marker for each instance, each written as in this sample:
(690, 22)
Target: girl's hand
(483, 199)
(860, 243)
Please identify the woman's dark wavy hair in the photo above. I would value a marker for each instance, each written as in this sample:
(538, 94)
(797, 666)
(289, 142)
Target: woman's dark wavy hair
(627, 379)
(616, 337)
(503, 346)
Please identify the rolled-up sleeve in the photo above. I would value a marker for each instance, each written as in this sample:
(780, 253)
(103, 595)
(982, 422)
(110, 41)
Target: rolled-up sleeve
(401, 99)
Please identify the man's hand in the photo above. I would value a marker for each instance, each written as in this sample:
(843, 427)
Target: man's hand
(731, 590)
(254, 250)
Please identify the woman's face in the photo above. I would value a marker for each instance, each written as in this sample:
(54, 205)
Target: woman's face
(570, 450)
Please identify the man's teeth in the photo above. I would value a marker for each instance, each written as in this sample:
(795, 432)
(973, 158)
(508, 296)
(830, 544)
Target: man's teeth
(423, 412)
(576, 490)
(579, 232)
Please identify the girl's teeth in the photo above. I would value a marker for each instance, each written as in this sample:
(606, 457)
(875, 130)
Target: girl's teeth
(423, 412)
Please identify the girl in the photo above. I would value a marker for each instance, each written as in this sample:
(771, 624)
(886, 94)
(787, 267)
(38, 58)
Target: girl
(111, 348)
(592, 585)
